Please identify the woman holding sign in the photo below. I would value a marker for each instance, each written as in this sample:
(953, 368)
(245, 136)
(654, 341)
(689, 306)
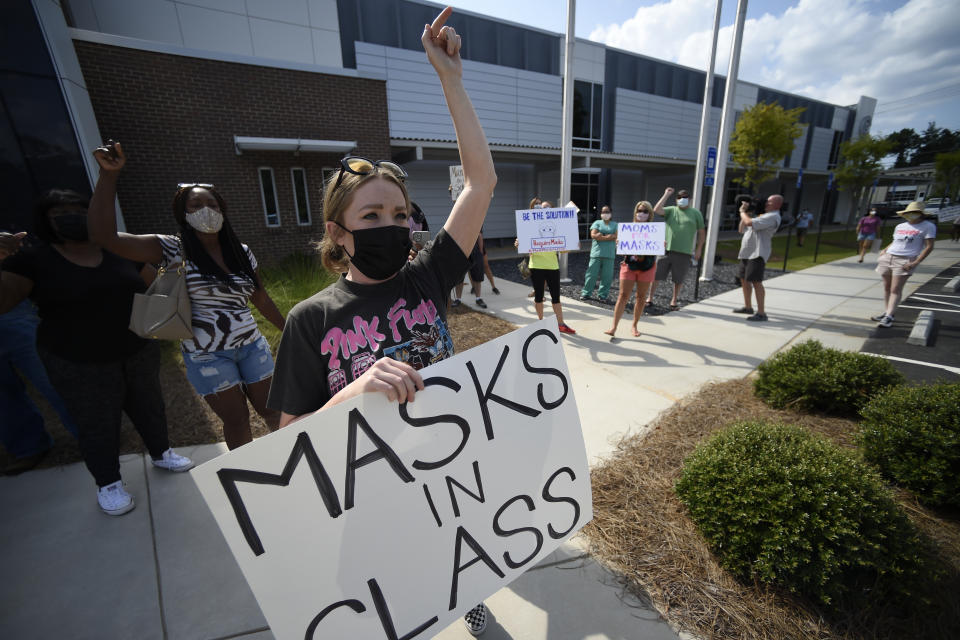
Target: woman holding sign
(385, 317)
(635, 269)
(545, 272)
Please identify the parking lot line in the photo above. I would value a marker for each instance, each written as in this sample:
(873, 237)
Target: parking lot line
(907, 306)
(955, 370)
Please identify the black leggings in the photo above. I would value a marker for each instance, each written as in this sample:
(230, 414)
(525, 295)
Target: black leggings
(95, 395)
(549, 277)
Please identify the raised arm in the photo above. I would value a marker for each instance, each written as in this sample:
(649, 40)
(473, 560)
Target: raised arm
(658, 208)
(102, 219)
(442, 45)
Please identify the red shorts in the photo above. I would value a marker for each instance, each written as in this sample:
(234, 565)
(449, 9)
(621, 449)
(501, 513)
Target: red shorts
(637, 276)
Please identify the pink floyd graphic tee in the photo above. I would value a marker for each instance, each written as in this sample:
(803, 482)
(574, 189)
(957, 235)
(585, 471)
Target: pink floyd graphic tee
(333, 337)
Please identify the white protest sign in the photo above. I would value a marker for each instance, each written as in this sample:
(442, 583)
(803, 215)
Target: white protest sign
(641, 238)
(373, 520)
(456, 181)
(948, 214)
(547, 230)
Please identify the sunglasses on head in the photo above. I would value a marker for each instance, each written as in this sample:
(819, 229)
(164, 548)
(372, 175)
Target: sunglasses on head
(190, 185)
(362, 166)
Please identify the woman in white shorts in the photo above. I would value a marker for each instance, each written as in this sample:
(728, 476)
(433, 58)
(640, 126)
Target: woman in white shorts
(912, 242)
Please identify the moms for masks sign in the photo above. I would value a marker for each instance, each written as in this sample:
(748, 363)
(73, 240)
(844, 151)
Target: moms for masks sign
(377, 520)
(547, 230)
(641, 238)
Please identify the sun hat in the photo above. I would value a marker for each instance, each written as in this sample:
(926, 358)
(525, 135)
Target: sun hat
(914, 207)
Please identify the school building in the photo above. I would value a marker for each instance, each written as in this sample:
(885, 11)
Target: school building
(263, 97)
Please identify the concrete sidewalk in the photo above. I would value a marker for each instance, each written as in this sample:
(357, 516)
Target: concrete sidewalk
(163, 571)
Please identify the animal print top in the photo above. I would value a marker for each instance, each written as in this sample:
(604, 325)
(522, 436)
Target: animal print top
(221, 317)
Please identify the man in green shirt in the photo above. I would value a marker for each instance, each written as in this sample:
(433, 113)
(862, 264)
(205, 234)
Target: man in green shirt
(685, 235)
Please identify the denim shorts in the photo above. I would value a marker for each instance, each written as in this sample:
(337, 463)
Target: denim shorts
(866, 236)
(214, 371)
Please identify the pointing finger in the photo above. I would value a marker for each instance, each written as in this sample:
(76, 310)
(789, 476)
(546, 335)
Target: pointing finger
(439, 21)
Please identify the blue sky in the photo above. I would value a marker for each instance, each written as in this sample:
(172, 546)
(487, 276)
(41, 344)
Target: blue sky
(904, 53)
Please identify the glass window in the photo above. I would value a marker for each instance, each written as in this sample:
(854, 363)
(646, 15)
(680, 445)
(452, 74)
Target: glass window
(835, 150)
(268, 192)
(301, 200)
(587, 114)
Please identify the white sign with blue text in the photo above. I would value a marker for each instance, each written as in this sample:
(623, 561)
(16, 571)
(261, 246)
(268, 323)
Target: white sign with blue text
(641, 238)
(376, 520)
(547, 230)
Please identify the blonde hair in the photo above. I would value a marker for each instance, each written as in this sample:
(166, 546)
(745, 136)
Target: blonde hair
(647, 206)
(534, 202)
(336, 201)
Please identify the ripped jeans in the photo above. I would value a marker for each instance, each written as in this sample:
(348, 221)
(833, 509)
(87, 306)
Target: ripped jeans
(214, 371)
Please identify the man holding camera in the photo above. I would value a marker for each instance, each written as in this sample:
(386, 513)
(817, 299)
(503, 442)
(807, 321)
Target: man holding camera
(685, 235)
(755, 248)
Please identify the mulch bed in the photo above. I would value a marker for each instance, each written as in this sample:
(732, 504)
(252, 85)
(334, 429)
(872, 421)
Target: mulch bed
(641, 531)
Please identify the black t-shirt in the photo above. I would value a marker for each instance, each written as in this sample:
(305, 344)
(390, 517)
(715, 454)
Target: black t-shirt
(84, 311)
(333, 337)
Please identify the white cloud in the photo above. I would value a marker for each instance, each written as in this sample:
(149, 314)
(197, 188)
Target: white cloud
(831, 50)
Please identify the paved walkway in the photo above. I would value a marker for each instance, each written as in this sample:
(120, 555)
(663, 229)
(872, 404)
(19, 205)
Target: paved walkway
(163, 571)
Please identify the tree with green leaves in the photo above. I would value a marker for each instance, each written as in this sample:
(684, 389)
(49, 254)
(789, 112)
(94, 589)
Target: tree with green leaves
(905, 144)
(947, 167)
(764, 136)
(859, 167)
(913, 149)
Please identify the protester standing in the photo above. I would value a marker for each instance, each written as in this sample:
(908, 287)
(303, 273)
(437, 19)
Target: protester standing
(228, 360)
(755, 249)
(803, 225)
(912, 242)
(84, 295)
(367, 240)
(638, 269)
(685, 235)
(603, 254)
(867, 228)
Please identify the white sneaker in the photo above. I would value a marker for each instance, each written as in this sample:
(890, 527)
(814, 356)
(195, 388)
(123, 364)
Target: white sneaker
(172, 461)
(885, 321)
(114, 500)
(476, 619)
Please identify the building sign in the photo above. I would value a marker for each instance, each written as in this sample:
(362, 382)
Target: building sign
(377, 520)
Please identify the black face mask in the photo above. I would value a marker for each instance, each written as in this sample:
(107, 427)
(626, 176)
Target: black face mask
(71, 226)
(379, 252)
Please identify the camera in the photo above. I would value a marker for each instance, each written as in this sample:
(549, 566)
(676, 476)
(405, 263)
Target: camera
(754, 205)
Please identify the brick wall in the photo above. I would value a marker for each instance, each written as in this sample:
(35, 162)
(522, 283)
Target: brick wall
(176, 117)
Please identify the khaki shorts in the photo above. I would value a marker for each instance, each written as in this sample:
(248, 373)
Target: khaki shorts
(893, 265)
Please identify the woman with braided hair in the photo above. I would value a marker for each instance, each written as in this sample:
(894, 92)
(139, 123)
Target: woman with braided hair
(228, 361)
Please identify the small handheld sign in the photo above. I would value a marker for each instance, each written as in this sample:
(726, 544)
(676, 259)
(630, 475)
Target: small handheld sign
(547, 230)
(641, 238)
(456, 181)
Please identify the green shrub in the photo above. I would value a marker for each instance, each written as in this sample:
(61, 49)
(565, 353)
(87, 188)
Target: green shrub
(781, 505)
(810, 377)
(913, 435)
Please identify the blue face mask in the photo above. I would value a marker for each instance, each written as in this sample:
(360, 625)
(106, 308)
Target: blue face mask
(379, 252)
